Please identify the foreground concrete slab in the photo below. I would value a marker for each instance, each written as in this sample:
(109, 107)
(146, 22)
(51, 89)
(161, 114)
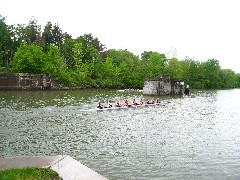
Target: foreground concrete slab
(67, 167)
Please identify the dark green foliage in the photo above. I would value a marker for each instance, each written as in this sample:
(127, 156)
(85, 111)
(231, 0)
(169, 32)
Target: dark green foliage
(29, 59)
(52, 35)
(228, 79)
(146, 55)
(47, 36)
(86, 62)
(55, 65)
(124, 69)
(91, 46)
(32, 32)
(28, 173)
(211, 70)
(238, 80)
(57, 35)
(6, 43)
(155, 63)
(67, 51)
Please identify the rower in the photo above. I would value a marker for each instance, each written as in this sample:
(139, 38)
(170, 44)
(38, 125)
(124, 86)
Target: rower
(134, 102)
(147, 101)
(100, 106)
(152, 102)
(141, 102)
(126, 103)
(109, 105)
(158, 100)
(117, 104)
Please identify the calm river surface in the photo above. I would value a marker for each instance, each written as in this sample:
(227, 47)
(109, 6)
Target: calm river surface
(196, 137)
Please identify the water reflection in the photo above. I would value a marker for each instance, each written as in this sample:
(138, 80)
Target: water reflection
(194, 137)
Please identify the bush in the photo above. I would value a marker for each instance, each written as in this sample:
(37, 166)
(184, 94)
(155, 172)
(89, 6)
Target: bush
(29, 173)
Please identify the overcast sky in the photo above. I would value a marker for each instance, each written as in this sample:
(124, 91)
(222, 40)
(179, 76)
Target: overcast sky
(199, 29)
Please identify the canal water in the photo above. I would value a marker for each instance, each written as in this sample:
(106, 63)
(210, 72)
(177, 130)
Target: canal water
(190, 137)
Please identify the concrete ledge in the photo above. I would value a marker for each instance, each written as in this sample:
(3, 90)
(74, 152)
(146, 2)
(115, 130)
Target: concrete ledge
(67, 167)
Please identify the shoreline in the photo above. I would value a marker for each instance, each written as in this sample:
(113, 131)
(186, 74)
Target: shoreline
(67, 167)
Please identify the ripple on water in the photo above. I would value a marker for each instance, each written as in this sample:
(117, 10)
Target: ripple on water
(188, 138)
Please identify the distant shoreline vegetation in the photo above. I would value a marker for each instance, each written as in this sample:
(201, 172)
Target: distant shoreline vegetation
(85, 61)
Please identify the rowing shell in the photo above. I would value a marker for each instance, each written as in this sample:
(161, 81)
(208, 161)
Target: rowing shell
(124, 107)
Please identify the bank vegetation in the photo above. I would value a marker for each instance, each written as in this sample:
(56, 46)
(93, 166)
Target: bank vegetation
(85, 62)
(29, 173)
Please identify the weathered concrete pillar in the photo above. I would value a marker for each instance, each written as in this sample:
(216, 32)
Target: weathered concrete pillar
(23, 81)
(163, 85)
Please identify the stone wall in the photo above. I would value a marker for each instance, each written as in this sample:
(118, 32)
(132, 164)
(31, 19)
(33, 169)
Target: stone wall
(162, 86)
(22, 81)
(150, 87)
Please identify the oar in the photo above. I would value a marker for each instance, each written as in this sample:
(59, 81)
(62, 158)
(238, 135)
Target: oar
(157, 106)
(180, 102)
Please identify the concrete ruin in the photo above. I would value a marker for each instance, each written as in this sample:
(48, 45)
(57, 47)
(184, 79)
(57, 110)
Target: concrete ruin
(23, 81)
(164, 85)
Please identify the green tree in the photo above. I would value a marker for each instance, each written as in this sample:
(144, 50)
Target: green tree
(156, 65)
(32, 32)
(174, 68)
(126, 63)
(92, 55)
(47, 36)
(78, 56)
(29, 59)
(57, 36)
(55, 65)
(81, 71)
(193, 73)
(238, 80)
(228, 78)
(145, 56)
(92, 47)
(17, 36)
(6, 43)
(108, 74)
(67, 51)
(211, 72)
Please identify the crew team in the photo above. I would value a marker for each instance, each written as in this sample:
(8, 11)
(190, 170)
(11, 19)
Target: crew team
(127, 104)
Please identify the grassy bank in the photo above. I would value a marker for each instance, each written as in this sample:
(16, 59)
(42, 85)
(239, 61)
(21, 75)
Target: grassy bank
(29, 173)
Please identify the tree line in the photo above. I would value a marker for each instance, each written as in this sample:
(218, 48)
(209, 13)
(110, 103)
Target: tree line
(85, 62)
